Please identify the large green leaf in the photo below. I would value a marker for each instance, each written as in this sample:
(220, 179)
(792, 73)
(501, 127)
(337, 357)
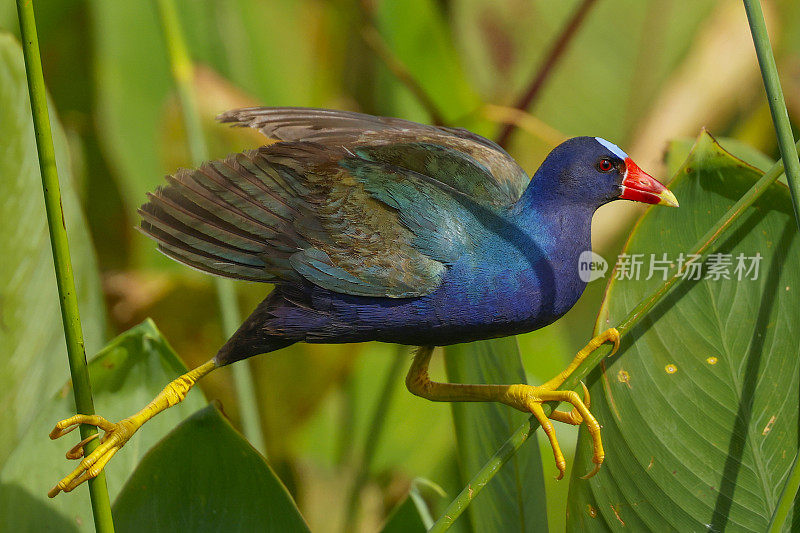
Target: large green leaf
(204, 476)
(515, 498)
(33, 358)
(126, 375)
(699, 409)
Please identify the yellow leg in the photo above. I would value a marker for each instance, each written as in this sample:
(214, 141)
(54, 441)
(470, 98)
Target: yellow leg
(526, 398)
(116, 435)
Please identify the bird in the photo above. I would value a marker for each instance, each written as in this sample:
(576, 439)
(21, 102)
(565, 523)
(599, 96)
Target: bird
(382, 229)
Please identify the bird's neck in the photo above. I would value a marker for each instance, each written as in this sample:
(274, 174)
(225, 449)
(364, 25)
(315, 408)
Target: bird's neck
(559, 221)
(561, 230)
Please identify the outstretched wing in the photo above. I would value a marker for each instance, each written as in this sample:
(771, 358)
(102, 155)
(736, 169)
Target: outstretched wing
(304, 210)
(456, 157)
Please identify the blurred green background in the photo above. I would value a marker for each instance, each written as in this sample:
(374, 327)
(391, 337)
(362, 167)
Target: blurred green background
(638, 73)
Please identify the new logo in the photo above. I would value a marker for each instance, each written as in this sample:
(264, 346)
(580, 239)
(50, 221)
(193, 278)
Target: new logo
(591, 266)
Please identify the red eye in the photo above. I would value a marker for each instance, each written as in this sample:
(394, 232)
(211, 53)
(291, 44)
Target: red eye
(605, 165)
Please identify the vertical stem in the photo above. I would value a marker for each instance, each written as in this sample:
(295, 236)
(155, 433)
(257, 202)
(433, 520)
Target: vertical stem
(786, 499)
(777, 105)
(183, 73)
(783, 130)
(101, 505)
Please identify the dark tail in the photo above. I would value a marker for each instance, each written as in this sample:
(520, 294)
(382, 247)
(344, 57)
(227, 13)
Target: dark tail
(254, 336)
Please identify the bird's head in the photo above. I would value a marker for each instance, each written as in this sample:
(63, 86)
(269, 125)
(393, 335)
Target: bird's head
(593, 171)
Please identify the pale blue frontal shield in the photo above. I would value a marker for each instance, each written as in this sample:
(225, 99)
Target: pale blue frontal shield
(613, 148)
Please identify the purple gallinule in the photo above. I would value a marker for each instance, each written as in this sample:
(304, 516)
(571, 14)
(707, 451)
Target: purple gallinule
(382, 229)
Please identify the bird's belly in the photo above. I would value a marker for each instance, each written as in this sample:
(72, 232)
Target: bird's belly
(463, 309)
(481, 309)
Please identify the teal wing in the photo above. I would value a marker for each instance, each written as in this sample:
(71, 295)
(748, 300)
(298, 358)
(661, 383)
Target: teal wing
(302, 210)
(456, 157)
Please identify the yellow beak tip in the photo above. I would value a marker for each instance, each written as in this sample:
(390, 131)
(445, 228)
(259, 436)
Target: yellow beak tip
(668, 199)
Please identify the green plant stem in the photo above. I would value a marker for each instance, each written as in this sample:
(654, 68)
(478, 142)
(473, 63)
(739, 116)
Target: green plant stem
(786, 499)
(376, 427)
(183, 73)
(101, 505)
(521, 434)
(777, 105)
(783, 130)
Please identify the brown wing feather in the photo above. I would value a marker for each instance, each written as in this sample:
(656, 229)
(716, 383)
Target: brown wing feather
(351, 130)
(286, 212)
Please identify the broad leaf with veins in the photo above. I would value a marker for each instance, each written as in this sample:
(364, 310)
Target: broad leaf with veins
(700, 406)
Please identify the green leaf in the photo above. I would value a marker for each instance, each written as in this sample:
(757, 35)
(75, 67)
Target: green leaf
(33, 358)
(204, 476)
(127, 374)
(699, 409)
(515, 498)
(679, 150)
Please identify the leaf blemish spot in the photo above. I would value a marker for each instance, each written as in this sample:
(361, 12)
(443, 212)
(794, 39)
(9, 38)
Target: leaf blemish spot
(616, 513)
(65, 390)
(712, 360)
(671, 368)
(591, 510)
(768, 427)
(624, 377)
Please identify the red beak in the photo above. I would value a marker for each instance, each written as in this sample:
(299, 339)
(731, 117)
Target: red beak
(640, 186)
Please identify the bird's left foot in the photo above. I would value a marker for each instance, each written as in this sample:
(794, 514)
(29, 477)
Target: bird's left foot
(116, 435)
(526, 398)
(530, 399)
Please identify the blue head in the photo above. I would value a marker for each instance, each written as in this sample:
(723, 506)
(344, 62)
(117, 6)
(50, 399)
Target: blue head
(589, 172)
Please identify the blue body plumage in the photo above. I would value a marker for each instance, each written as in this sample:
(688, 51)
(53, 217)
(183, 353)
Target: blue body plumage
(383, 229)
(522, 276)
